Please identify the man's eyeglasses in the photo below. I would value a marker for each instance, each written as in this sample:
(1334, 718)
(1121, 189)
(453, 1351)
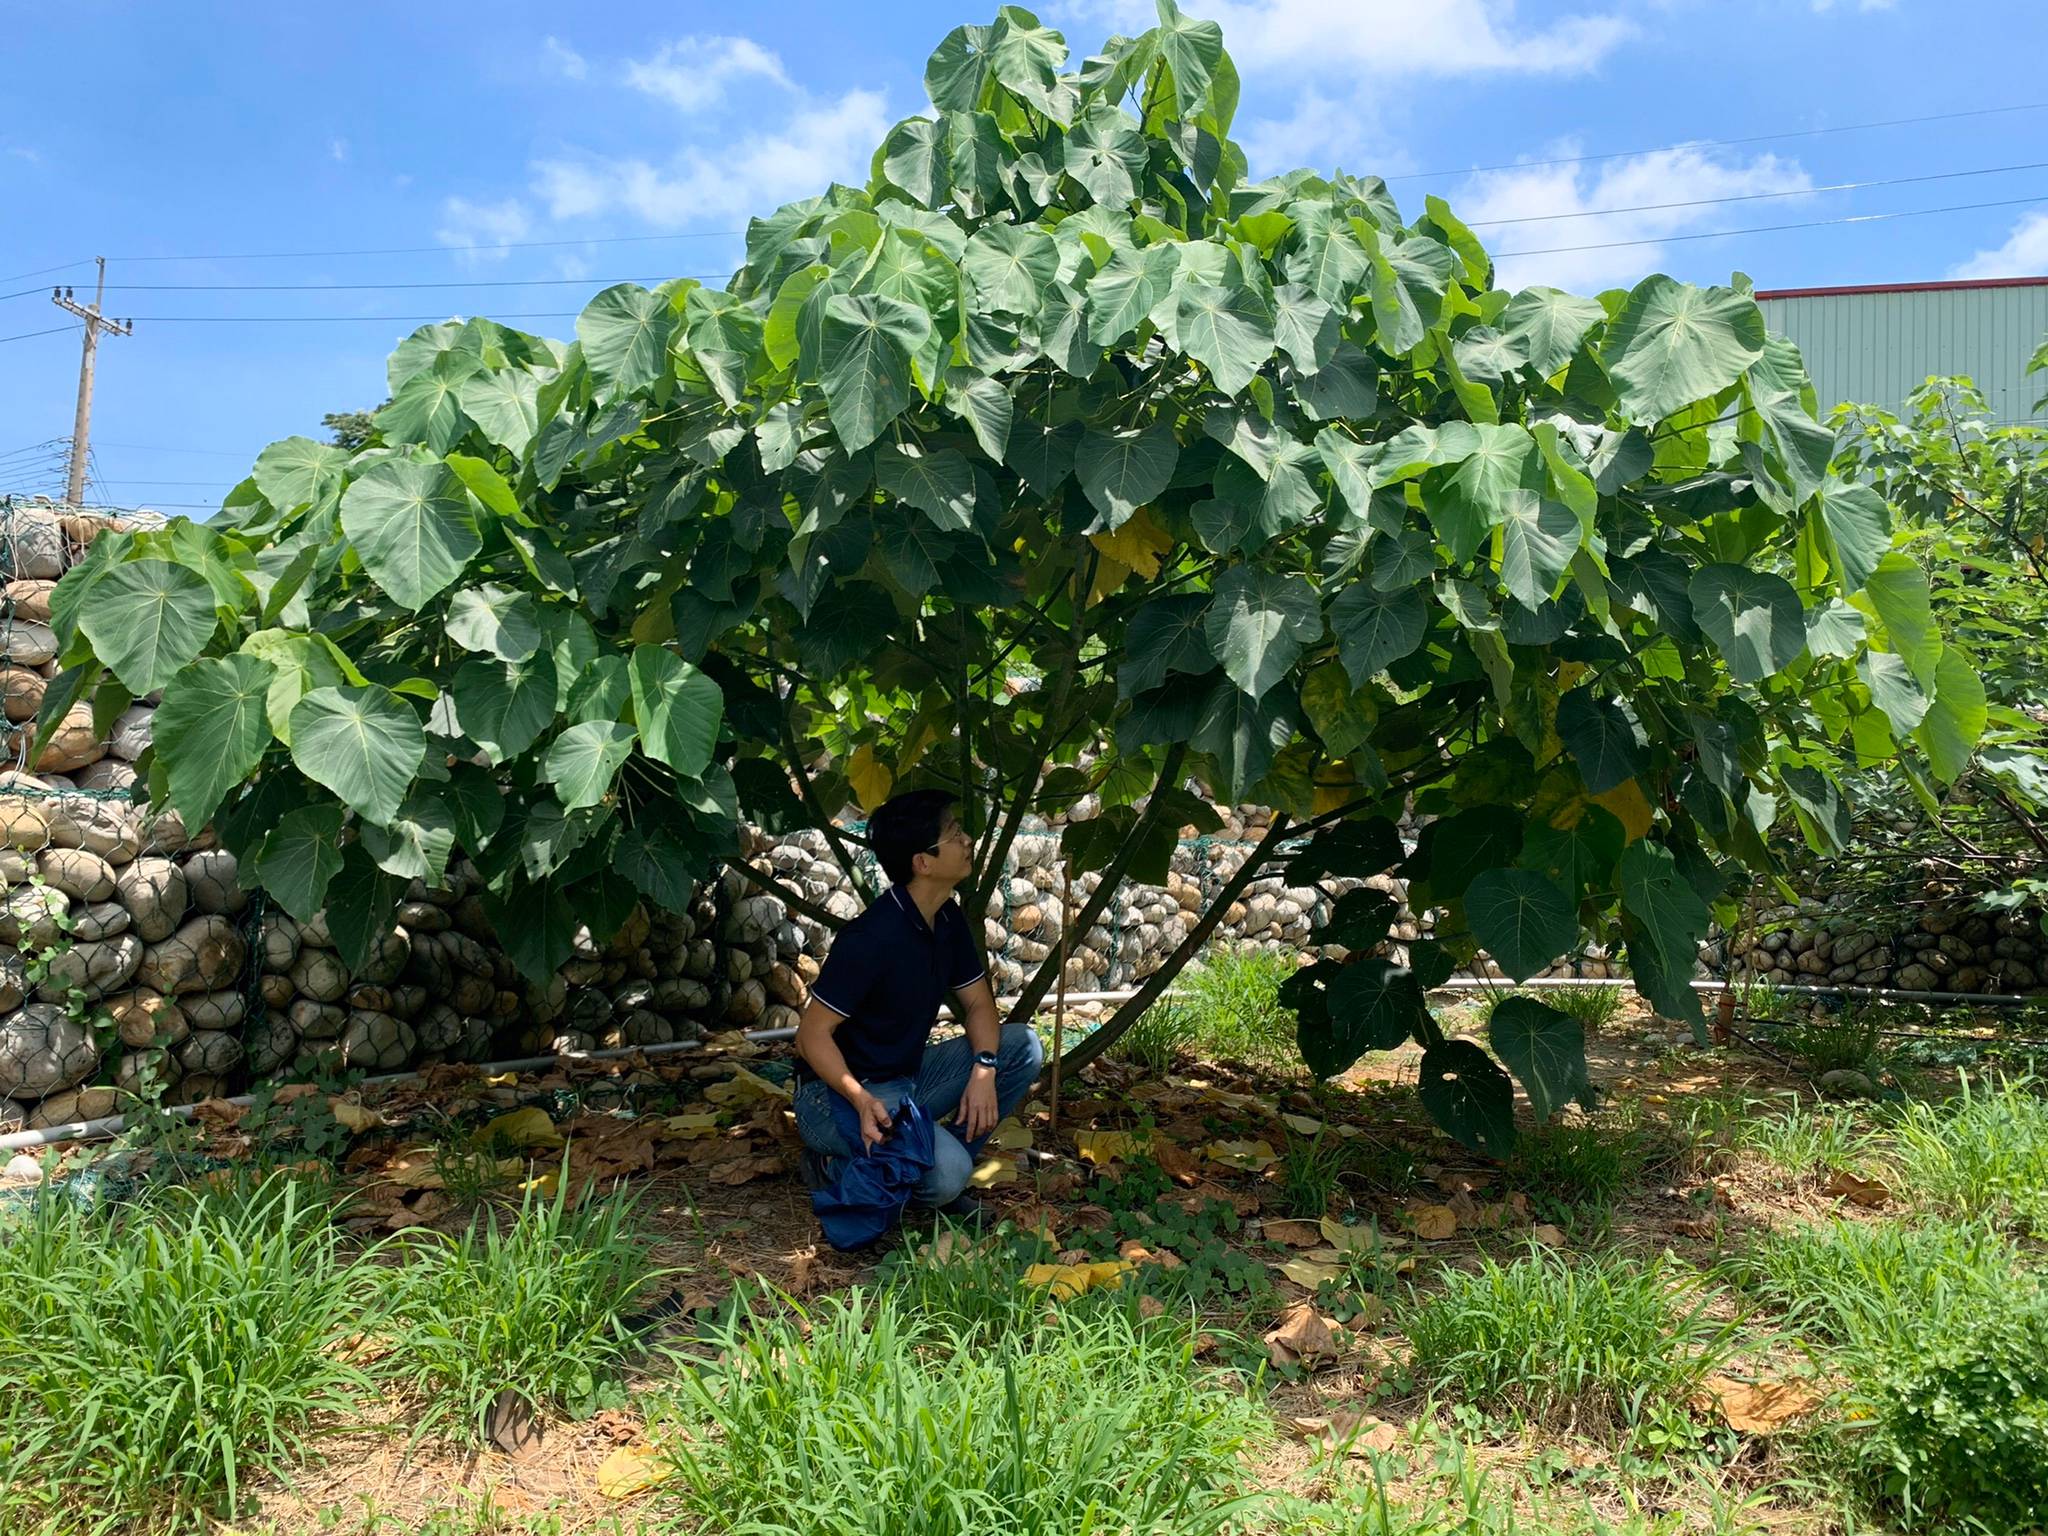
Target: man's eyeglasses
(957, 835)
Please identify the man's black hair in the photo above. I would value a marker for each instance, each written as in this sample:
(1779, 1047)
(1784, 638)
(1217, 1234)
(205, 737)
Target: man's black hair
(905, 826)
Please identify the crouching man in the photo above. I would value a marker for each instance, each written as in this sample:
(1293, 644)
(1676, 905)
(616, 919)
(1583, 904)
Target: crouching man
(864, 1035)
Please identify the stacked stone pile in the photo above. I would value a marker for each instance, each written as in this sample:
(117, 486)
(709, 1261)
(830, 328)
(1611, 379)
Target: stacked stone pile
(1944, 948)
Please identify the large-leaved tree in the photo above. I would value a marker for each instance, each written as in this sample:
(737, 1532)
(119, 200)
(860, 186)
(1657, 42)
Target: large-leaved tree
(1061, 441)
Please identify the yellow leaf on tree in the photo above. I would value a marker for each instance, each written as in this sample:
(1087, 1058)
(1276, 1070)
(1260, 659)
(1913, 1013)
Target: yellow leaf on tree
(1109, 575)
(1105, 1147)
(631, 1469)
(1250, 1155)
(523, 1128)
(1629, 807)
(871, 780)
(1139, 544)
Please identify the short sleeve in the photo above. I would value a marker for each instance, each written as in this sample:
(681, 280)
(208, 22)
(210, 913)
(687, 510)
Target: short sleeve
(964, 963)
(847, 975)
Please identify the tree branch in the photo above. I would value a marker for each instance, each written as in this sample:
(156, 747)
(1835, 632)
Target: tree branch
(793, 754)
(775, 887)
(1127, 1015)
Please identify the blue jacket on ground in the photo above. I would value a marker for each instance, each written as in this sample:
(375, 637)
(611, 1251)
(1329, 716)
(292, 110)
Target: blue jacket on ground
(873, 1185)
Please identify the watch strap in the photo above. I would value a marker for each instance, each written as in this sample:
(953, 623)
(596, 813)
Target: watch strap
(985, 1058)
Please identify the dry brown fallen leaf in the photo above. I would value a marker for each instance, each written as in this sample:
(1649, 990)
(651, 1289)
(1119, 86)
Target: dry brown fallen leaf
(1348, 1430)
(1868, 1193)
(803, 1263)
(1295, 1234)
(1433, 1223)
(631, 1469)
(1547, 1234)
(1302, 1337)
(1308, 1274)
(1757, 1407)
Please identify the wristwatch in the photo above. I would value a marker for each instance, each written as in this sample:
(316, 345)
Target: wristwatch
(985, 1059)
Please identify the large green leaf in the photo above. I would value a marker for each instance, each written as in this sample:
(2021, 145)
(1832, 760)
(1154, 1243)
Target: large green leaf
(1497, 463)
(1522, 919)
(1752, 616)
(1168, 634)
(210, 731)
(1538, 539)
(1893, 689)
(1193, 50)
(418, 842)
(299, 664)
(678, 709)
(625, 333)
(1106, 154)
(1375, 629)
(1259, 623)
(503, 404)
(1011, 266)
(1601, 737)
(914, 159)
(1674, 344)
(1373, 1005)
(1227, 329)
(1409, 278)
(1550, 325)
(582, 762)
(1895, 593)
(1304, 327)
(958, 69)
(411, 525)
(1956, 718)
(1124, 292)
(865, 347)
(1669, 920)
(299, 857)
(1860, 524)
(365, 744)
(299, 472)
(147, 619)
(1783, 397)
(1126, 469)
(1454, 850)
(1469, 1096)
(1581, 857)
(1546, 1049)
(939, 484)
(503, 706)
(495, 621)
(1242, 733)
(427, 408)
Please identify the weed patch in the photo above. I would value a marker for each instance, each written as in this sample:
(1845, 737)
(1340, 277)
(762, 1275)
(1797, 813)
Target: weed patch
(1982, 1153)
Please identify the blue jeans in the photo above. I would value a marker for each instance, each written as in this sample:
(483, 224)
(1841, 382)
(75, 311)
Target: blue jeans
(941, 1080)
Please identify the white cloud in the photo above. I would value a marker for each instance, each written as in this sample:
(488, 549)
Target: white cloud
(728, 181)
(1503, 208)
(1339, 56)
(469, 227)
(23, 152)
(337, 150)
(692, 73)
(2024, 254)
(565, 58)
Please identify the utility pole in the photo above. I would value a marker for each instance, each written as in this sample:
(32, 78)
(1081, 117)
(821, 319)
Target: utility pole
(81, 424)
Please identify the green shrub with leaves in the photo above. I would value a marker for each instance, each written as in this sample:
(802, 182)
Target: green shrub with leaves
(1061, 433)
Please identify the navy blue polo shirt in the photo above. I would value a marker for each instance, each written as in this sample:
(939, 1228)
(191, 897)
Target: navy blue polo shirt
(887, 972)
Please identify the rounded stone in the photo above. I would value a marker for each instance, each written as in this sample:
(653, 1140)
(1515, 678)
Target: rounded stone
(155, 894)
(144, 1018)
(277, 942)
(21, 692)
(105, 827)
(212, 878)
(320, 975)
(94, 969)
(137, 1071)
(215, 1010)
(276, 991)
(134, 729)
(25, 643)
(101, 920)
(270, 1043)
(387, 957)
(317, 1020)
(43, 1050)
(211, 1052)
(439, 1030)
(77, 872)
(376, 1042)
(203, 955)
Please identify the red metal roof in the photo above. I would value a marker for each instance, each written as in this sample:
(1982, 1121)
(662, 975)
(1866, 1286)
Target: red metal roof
(1944, 287)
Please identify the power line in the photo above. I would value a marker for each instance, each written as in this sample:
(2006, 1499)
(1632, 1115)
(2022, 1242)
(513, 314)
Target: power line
(221, 453)
(62, 266)
(1766, 229)
(1752, 197)
(432, 250)
(563, 314)
(510, 282)
(1755, 138)
(25, 335)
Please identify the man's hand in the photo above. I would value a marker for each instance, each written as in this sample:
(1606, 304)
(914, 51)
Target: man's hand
(875, 1121)
(977, 1112)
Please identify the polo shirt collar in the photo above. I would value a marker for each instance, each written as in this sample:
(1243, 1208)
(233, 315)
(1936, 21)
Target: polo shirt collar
(903, 900)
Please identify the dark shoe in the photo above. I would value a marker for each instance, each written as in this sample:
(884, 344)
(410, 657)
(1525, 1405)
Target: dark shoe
(965, 1208)
(819, 1171)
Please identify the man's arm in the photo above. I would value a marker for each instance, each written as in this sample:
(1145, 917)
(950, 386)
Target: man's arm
(821, 1053)
(977, 1111)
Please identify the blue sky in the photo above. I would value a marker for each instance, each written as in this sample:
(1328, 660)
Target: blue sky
(220, 130)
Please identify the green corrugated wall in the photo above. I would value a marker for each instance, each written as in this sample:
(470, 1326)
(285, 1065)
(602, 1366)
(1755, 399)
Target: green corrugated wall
(1877, 346)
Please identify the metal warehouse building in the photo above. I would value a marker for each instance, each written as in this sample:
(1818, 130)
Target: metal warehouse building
(1878, 344)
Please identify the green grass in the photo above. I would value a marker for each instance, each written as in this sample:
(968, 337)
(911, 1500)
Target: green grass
(1876, 1283)
(1983, 1152)
(1832, 1042)
(154, 1357)
(1594, 1007)
(1570, 1163)
(1311, 1170)
(530, 1300)
(856, 1416)
(1799, 1137)
(1590, 1340)
(1228, 1008)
